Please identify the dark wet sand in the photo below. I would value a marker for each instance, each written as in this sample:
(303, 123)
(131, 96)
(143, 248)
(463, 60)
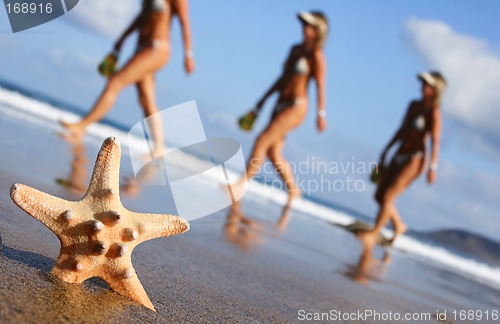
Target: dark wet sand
(198, 276)
(195, 277)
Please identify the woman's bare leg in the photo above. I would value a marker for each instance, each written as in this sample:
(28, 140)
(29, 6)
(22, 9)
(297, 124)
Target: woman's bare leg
(276, 131)
(398, 225)
(284, 219)
(145, 62)
(275, 154)
(387, 198)
(146, 92)
(387, 180)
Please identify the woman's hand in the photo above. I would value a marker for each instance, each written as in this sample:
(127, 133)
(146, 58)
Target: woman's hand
(189, 64)
(321, 123)
(431, 176)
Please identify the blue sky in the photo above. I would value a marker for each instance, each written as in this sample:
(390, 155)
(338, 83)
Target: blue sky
(373, 53)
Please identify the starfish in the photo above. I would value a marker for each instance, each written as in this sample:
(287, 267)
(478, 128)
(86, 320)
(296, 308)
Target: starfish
(97, 233)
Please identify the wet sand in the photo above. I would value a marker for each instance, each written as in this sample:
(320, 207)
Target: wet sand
(249, 271)
(195, 277)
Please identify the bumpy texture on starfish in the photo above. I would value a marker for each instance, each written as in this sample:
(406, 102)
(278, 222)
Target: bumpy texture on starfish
(97, 233)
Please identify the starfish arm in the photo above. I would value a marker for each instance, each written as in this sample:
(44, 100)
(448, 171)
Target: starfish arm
(127, 284)
(47, 209)
(152, 226)
(107, 169)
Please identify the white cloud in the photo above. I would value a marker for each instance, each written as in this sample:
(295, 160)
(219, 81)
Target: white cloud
(473, 73)
(107, 18)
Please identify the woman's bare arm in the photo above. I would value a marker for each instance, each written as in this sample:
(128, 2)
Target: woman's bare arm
(131, 28)
(277, 85)
(394, 138)
(182, 9)
(319, 74)
(435, 142)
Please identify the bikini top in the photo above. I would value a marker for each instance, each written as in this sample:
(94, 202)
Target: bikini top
(419, 122)
(301, 66)
(158, 5)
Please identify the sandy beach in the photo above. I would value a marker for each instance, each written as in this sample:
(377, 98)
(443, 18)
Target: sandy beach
(260, 268)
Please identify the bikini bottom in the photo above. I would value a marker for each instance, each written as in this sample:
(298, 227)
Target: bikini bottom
(403, 158)
(281, 106)
(154, 44)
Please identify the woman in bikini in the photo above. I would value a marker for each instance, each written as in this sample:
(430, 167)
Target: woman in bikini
(153, 52)
(423, 119)
(306, 61)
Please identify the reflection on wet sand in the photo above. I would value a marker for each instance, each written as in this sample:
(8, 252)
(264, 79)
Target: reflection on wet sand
(76, 182)
(369, 268)
(131, 186)
(248, 233)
